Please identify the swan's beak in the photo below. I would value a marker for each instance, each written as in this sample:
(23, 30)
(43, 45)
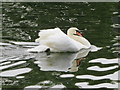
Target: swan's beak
(78, 33)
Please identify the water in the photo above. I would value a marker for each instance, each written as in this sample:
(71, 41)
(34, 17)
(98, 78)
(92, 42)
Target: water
(97, 68)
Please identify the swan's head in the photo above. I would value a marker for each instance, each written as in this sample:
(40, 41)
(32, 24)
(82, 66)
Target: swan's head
(73, 31)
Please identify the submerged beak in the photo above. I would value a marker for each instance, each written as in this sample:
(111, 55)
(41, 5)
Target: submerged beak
(78, 33)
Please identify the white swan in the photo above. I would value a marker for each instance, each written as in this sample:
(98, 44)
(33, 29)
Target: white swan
(57, 41)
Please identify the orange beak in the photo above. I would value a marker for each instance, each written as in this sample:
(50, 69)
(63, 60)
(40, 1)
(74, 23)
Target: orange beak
(79, 34)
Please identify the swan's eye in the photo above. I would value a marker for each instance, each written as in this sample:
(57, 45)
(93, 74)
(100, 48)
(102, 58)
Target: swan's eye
(78, 33)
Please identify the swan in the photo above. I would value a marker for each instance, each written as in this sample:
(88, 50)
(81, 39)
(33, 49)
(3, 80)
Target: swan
(57, 41)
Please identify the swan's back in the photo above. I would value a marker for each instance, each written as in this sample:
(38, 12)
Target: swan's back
(58, 41)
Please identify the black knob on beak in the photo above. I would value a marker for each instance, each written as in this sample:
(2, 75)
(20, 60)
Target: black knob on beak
(78, 31)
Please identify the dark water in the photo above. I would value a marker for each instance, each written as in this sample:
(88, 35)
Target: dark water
(21, 22)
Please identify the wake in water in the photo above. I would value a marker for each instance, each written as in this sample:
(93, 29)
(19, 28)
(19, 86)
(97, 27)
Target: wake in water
(15, 54)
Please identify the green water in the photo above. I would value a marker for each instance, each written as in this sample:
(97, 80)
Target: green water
(22, 22)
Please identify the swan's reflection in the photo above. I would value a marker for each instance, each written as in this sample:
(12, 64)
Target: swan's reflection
(61, 61)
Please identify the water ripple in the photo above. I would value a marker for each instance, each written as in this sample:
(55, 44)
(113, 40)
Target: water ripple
(15, 72)
(103, 85)
(104, 61)
(97, 68)
(113, 76)
(12, 65)
(67, 75)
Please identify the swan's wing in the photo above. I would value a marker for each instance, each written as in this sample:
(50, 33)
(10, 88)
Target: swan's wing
(57, 41)
(46, 33)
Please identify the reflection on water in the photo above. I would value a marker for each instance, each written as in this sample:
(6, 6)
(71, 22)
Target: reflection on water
(67, 75)
(103, 85)
(97, 68)
(113, 76)
(16, 64)
(15, 72)
(104, 61)
(12, 65)
(61, 61)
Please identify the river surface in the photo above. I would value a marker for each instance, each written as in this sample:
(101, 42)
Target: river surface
(96, 68)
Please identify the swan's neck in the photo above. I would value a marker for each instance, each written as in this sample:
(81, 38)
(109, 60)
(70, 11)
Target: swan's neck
(81, 40)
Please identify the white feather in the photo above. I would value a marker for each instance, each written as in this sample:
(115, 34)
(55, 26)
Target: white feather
(57, 41)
